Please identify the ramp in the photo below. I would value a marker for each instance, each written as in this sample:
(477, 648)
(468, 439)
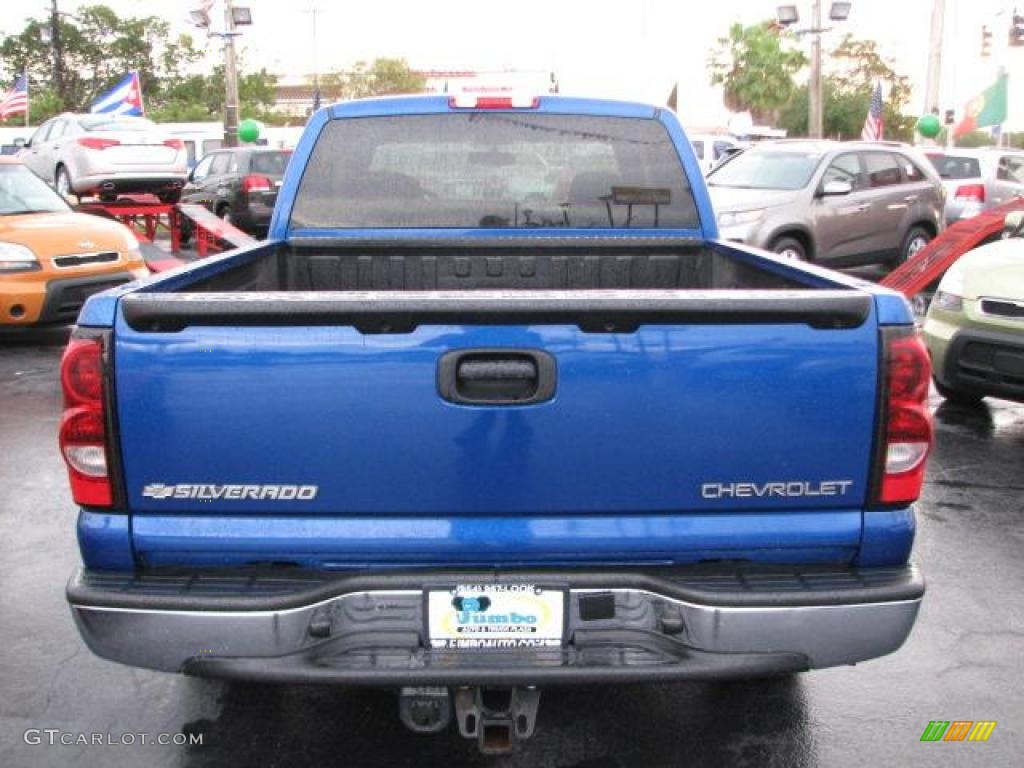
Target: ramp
(932, 261)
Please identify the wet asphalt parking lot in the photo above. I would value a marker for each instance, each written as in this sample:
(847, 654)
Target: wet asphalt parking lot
(964, 660)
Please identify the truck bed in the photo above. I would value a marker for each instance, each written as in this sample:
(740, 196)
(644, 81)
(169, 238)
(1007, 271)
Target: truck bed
(509, 264)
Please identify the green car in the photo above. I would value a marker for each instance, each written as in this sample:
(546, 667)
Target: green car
(975, 324)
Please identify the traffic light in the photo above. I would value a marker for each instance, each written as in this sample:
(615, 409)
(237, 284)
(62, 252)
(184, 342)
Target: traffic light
(950, 117)
(986, 41)
(1017, 30)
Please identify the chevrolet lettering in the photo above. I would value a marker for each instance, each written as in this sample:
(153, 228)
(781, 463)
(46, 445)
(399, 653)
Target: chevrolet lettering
(786, 489)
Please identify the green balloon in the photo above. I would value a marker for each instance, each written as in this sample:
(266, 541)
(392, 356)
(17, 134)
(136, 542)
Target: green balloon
(929, 126)
(249, 130)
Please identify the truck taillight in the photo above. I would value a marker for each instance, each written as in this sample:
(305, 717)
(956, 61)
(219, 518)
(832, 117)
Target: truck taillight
(177, 144)
(256, 183)
(906, 422)
(83, 431)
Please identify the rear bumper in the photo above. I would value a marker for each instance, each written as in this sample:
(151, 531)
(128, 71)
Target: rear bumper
(130, 181)
(684, 623)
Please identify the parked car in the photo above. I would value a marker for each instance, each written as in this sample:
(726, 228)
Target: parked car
(837, 204)
(713, 149)
(52, 259)
(425, 440)
(238, 185)
(978, 179)
(975, 324)
(106, 155)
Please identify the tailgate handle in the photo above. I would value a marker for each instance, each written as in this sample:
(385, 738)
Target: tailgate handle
(496, 376)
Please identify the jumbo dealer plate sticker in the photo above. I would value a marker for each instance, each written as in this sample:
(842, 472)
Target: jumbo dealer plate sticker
(495, 616)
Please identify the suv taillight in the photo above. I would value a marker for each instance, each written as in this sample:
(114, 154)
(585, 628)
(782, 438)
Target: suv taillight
(906, 423)
(83, 431)
(256, 183)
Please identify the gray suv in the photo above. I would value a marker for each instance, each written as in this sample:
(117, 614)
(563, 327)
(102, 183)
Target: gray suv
(839, 204)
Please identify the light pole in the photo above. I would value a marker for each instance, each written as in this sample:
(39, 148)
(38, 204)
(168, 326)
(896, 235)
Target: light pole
(788, 15)
(931, 89)
(815, 116)
(232, 17)
(313, 11)
(230, 78)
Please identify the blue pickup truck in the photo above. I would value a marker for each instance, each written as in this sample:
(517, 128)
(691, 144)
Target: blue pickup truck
(493, 409)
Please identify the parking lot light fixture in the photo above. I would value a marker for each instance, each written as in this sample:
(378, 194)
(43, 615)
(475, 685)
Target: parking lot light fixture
(787, 15)
(840, 11)
(241, 16)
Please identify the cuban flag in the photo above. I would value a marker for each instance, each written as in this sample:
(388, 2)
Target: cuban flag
(125, 98)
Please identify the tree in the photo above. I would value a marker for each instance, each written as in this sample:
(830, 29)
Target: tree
(854, 68)
(755, 66)
(201, 97)
(98, 48)
(385, 76)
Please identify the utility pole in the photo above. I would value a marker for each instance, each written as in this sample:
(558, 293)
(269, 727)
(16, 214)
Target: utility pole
(316, 65)
(931, 88)
(230, 78)
(58, 53)
(815, 119)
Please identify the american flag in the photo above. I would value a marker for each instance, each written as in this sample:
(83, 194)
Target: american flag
(15, 101)
(872, 130)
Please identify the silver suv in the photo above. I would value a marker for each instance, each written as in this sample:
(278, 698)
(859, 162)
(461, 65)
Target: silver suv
(839, 204)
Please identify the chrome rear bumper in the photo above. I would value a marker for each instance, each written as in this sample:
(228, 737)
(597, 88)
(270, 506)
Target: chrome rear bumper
(369, 629)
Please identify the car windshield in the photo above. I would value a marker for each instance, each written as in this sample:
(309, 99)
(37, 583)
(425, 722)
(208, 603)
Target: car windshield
(956, 166)
(497, 169)
(21, 191)
(766, 170)
(272, 163)
(110, 123)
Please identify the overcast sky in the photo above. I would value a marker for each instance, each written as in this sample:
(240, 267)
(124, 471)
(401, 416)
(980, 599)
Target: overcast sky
(632, 49)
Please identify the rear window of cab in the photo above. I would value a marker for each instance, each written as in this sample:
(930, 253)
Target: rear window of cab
(494, 170)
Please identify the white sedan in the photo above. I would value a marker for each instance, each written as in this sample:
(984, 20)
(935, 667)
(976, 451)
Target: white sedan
(106, 155)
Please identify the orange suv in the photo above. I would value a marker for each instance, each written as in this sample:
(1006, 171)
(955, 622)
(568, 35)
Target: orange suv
(51, 258)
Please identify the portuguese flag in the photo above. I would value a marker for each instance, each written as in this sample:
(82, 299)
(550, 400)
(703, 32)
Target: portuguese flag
(989, 108)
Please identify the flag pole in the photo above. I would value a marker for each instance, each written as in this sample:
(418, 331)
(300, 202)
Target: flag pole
(28, 103)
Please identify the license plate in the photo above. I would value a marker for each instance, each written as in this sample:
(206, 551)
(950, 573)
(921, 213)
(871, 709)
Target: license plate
(495, 616)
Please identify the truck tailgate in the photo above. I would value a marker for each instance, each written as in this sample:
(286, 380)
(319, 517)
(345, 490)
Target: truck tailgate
(674, 419)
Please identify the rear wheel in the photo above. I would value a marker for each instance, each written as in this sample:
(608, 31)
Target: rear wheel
(169, 196)
(956, 396)
(224, 212)
(916, 239)
(790, 248)
(62, 182)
